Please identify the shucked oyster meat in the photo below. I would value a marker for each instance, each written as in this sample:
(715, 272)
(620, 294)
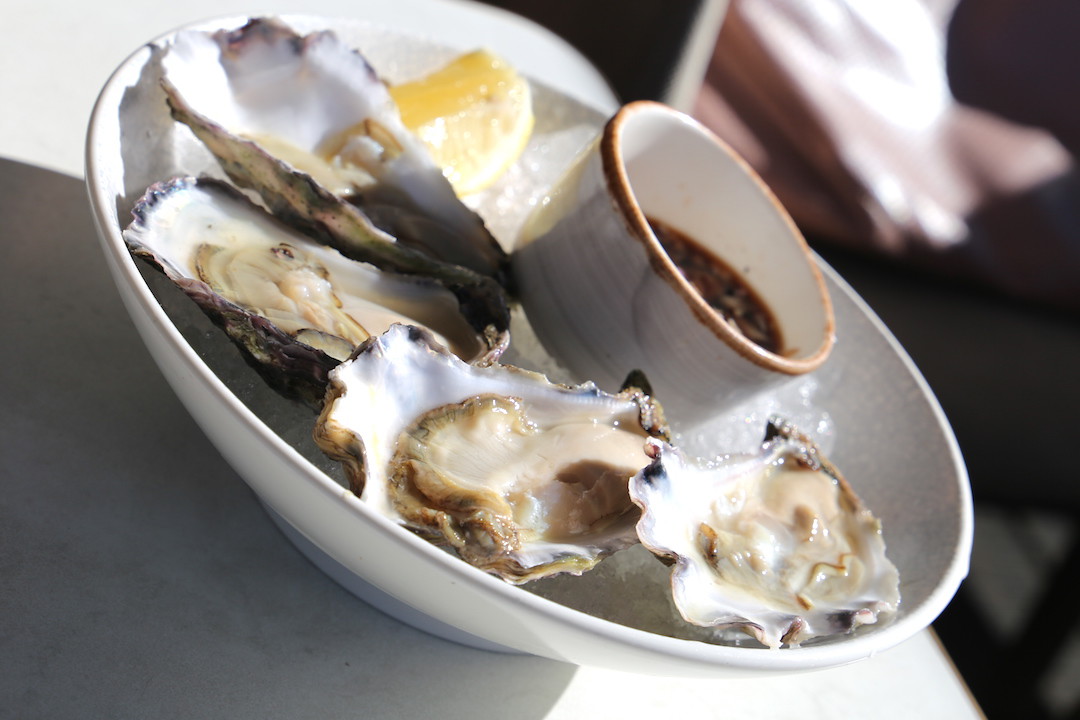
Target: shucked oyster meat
(297, 308)
(776, 543)
(306, 122)
(523, 478)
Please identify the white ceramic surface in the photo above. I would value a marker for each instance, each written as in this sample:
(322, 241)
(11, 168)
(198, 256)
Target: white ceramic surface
(605, 298)
(887, 431)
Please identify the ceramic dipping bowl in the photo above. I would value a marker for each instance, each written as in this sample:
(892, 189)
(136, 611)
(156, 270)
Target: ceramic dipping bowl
(661, 250)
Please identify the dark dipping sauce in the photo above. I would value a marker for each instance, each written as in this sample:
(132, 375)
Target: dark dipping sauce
(722, 287)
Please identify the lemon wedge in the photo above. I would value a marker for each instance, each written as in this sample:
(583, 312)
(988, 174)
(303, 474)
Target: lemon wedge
(474, 114)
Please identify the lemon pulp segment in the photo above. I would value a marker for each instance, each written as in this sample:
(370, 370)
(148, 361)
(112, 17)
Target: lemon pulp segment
(474, 115)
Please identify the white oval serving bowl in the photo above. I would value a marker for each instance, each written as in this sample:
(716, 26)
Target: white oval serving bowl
(890, 437)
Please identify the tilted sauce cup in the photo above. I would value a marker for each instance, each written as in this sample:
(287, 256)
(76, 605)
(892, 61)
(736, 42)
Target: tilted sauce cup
(605, 298)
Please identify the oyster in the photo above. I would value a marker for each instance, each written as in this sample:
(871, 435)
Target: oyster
(296, 307)
(306, 122)
(523, 478)
(776, 544)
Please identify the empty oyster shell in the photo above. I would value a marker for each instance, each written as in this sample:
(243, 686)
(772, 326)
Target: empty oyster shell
(305, 122)
(523, 478)
(776, 544)
(296, 307)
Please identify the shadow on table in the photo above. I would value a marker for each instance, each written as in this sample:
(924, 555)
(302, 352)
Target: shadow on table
(140, 575)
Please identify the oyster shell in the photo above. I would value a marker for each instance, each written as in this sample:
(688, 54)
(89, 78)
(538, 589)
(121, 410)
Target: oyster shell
(306, 122)
(776, 544)
(523, 478)
(296, 307)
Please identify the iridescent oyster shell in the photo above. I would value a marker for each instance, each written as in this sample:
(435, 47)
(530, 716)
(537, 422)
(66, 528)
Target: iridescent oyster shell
(305, 122)
(295, 307)
(776, 544)
(522, 477)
